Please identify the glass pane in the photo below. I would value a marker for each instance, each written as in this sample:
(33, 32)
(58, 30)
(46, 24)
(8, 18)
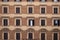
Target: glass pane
(42, 22)
(5, 22)
(30, 36)
(17, 22)
(6, 36)
(42, 10)
(17, 10)
(30, 9)
(55, 10)
(55, 36)
(18, 36)
(5, 9)
(42, 36)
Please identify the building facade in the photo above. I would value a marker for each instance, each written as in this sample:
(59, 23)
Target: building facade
(29, 19)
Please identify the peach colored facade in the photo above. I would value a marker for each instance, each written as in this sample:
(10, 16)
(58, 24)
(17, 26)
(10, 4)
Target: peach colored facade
(24, 16)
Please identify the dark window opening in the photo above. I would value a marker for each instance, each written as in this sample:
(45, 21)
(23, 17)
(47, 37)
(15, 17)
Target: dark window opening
(17, 22)
(43, 0)
(43, 10)
(5, 36)
(42, 36)
(55, 36)
(55, 0)
(5, 0)
(17, 10)
(30, 36)
(55, 10)
(30, 9)
(42, 22)
(30, 0)
(17, 36)
(5, 10)
(5, 21)
(17, 0)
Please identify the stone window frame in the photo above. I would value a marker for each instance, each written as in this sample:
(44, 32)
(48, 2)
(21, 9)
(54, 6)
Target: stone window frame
(53, 21)
(20, 21)
(7, 9)
(28, 21)
(20, 35)
(55, 7)
(28, 34)
(15, 9)
(3, 35)
(32, 9)
(53, 35)
(43, 19)
(45, 35)
(45, 9)
(3, 23)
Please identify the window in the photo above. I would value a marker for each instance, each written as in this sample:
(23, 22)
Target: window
(5, 36)
(17, 22)
(17, 0)
(42, 22)
(17, 36)
(43, 0)
(56, 22)
(43, 10)
(5, 0)
(42, 36)
(5, 22)
(55, 10)
(30, 9)
(55, 36)
(30, 36)
(18, 10)
(55, 0)
(30, 0)
(5, 10)
(31, 22)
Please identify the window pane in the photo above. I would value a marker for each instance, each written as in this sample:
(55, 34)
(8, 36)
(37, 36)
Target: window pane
(31, 22)
(17, 10)
(17, 36)
(57, 22)
(30, 0)
(5, 10)
(17, 22)
(5, 36)
(55, 0)
(5, 0)
(18, 0)
(55, 36)
(42, 36)
(30, 36)
(43, 10)
(30, 10)
(55, 10)
(5, 21)
(43, 0)
(42, 22)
